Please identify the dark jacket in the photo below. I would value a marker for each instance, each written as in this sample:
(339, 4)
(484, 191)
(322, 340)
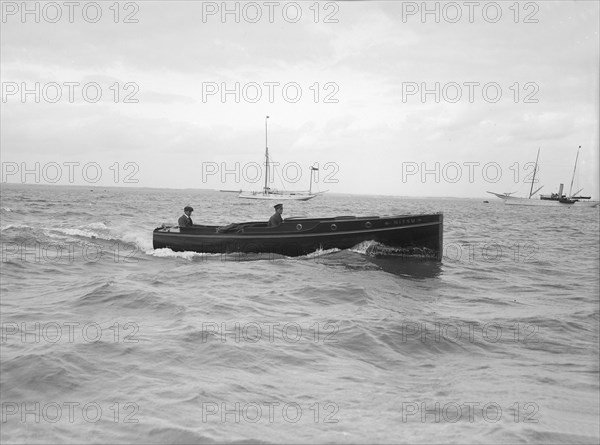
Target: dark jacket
(184, 221)
(275, 220)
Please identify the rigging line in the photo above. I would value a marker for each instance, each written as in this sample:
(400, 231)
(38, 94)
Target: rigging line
(271, 162)
(574, 169)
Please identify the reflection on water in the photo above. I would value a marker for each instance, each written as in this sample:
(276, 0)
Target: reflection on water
(408, 267)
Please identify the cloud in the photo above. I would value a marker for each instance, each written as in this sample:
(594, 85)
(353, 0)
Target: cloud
(352, 74)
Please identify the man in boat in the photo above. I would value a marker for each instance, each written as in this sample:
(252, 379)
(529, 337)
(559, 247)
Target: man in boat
(276, 219)
(185, 220)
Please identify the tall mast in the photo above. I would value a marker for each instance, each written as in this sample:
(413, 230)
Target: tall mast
(574, 167)
(534, 172)
(266, 157)
(312, 168)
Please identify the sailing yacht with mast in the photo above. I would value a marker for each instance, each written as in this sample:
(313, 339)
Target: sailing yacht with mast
(274, 194)
(553, 199)
(514, 199)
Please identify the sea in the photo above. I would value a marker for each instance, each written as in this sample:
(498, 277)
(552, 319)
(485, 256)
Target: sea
(106, 340)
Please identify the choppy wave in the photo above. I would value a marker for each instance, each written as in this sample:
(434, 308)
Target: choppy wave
(15, 227)
(356, 336)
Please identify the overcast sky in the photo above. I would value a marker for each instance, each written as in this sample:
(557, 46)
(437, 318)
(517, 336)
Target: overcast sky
(342, 83)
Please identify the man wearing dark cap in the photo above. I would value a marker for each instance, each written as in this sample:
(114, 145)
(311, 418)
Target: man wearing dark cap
(276, 219)
(185, 220)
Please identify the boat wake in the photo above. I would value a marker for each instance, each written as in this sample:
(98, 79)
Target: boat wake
(90, 242)
(168, 253)
(376, 249)
(372, 249)
(320, 252)
(365, 247)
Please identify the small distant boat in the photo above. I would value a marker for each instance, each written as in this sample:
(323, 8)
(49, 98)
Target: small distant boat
(553, 199)
(268, 193)
(413, 235)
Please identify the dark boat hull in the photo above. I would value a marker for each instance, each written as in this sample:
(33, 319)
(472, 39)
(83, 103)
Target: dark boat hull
(420, 235)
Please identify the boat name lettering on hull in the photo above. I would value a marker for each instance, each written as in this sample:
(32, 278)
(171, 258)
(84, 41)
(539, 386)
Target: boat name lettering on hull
(403, 221)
